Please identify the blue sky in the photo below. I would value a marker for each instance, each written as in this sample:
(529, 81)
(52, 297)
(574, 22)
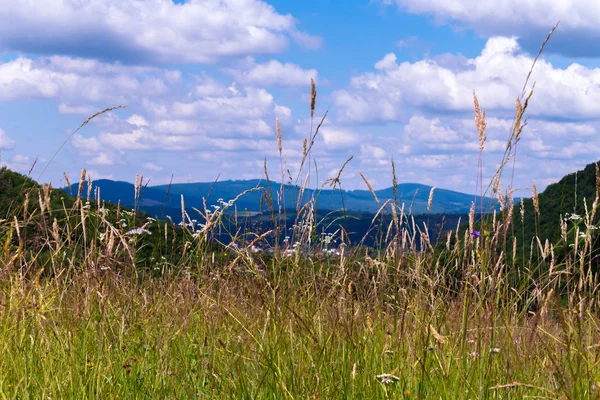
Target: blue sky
(204, 81)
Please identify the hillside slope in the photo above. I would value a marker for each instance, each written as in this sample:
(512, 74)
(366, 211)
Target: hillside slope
(168, 197)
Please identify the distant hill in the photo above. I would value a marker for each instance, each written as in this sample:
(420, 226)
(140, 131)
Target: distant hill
(565, 196)
(166, 199)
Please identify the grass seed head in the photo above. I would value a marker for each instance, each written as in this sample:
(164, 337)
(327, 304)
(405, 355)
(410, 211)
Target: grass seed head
(313, 97)
(479, 122)
(536, 200)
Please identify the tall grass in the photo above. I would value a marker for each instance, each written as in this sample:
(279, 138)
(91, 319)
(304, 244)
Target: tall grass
(97, 301)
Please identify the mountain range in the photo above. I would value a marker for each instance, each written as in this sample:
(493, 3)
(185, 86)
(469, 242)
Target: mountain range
(163, 200)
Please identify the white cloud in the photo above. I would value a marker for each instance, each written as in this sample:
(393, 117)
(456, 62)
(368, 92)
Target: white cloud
(578, 33)
(420, 128)
(5, 141)
(176, 127)
(148, 30)
(284, 113)
(75, 80)
(274, 73)
(337, 137)
(78, 110)
(20, 163)
(387, 63)
(152, 167)
(101, 159)
(368, 151)
(137, 120)
(497, 75)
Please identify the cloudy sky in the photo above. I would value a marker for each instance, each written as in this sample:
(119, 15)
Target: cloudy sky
(204, 81)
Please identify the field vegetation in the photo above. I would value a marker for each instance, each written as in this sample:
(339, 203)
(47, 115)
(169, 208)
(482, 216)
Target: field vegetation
(101, 301)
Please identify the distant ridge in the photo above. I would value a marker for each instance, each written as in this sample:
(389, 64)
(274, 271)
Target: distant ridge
(154, 198)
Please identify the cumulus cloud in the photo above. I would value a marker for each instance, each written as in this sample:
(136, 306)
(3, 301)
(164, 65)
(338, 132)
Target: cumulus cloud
(225, 119)
(384, 94)
(64, 108)
(530, 20)
(75, 80)
(5, 141)
(137, 120)
(146, 31)
(274, 73)
(20, 163)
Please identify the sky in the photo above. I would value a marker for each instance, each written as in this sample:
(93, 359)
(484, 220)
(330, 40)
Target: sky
(204, 81)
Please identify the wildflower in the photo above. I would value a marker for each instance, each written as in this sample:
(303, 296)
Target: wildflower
(475, 234)
(495, 350)
(138, 231)
(387, 378)
(575, 217)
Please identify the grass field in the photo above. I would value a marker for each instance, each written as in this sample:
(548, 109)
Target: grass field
(94, 306)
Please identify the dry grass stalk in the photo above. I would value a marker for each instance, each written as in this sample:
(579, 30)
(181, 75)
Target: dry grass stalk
(68, 183)
(501, 199)
(430, 200)
(80, 188)
(369, 186)
(538, 56)
(97, 197)
(313, 97)
(472, 218)
(89, 187)
(535, 199)
(55, 232)
(597, 183)
(518, 126)
(26, 206)
(479, 122)
(41, 203)
(496, 185)
(46, 189)
(73, 133)
(278, 131)
(183, 213)
(304, 149)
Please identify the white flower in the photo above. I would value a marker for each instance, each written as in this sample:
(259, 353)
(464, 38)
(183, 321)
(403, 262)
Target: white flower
(495, 350)
(138, 231)
(387, 378)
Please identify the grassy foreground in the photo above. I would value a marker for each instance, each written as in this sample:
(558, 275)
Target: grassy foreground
(96, 334)
(101, 302)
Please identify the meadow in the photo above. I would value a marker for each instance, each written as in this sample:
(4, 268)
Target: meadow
(97, 301)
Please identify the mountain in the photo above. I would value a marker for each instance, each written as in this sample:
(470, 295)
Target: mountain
(565, 196)
(166, 199)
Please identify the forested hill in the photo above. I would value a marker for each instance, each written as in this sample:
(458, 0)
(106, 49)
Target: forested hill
(156, 198)
(566, 196)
